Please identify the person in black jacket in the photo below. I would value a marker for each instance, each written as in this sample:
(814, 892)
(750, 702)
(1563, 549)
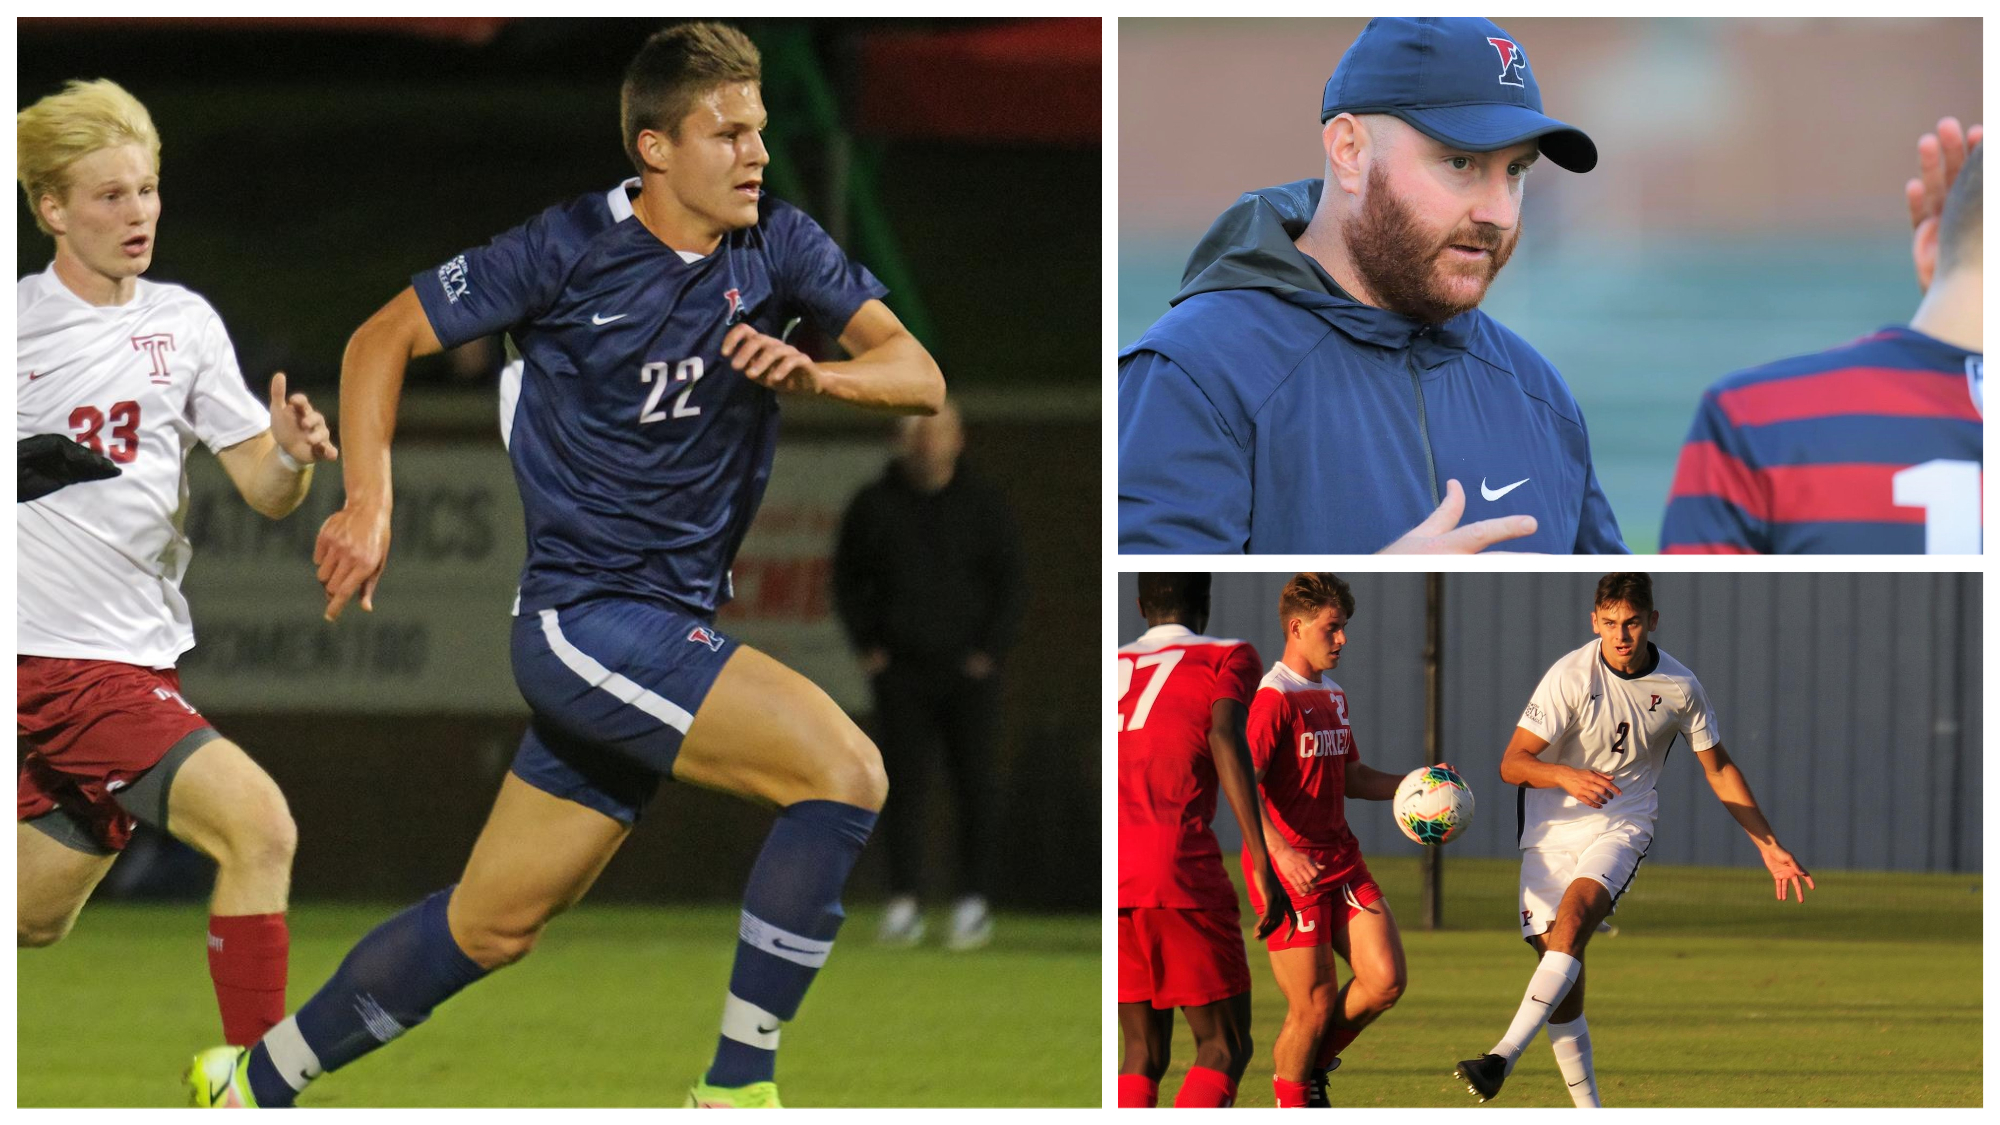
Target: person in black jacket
(927, 581)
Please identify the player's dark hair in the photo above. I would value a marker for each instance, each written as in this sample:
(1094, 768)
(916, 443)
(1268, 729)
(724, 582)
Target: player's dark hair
(674, 68)
(1173, 597)
(1306, 594)
(1962, 224)
(1635, 590)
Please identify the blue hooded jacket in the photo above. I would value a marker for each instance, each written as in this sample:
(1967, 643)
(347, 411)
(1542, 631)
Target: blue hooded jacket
(1270, 412)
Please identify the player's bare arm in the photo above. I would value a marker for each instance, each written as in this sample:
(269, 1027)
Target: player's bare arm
(890, 370)
(1299, 869)
(1522, 765)
(353, 544)
(267, 482)
(1734, 791)
(1231, 751)
(1364, 782)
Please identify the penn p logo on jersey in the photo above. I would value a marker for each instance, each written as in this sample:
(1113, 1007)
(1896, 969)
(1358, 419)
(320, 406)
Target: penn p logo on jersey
(736, 313)
(1513, 61)
(702, 635)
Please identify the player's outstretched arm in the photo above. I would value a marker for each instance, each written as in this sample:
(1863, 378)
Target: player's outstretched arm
(890, 370)
(276, 485)
(353, 543)
(1734, 791)
(1522, 765)
(1231, 751)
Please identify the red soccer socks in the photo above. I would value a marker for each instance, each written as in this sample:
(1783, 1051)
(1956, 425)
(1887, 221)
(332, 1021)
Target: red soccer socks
(247, 954)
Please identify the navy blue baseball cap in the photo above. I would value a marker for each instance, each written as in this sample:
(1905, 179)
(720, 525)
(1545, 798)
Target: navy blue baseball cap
(1463, 82)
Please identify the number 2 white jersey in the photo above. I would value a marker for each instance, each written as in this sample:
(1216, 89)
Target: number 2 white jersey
(101, 562)
(1597, 718)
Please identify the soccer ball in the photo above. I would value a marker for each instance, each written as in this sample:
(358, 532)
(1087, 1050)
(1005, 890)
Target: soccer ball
(1433, 805)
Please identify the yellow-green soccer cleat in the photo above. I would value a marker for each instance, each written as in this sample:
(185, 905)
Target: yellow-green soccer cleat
(757, 1095)
(219, 1078)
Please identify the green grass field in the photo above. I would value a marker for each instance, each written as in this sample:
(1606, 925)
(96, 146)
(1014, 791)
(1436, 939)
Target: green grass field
(618, 1007)
(1710, 994)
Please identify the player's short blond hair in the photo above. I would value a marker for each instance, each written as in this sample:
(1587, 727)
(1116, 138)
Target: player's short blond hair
(1309, 593)
(61, 129)
(673, 69)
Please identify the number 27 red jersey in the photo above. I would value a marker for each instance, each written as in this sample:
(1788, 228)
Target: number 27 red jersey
(1168, 682)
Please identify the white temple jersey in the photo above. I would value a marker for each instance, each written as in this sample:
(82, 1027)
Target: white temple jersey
(1597, 718)
(101, 562)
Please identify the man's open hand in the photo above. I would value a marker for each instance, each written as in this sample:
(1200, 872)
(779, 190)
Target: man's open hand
(1441, 535)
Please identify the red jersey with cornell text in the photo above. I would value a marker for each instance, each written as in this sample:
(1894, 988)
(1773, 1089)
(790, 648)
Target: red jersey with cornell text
(1301, 742)
(1168, 682)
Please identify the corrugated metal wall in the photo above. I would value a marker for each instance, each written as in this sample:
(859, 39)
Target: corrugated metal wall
(1851, 701)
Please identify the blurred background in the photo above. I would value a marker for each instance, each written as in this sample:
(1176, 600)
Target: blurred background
(1852, 702)
(1747, 204)
(310, 167)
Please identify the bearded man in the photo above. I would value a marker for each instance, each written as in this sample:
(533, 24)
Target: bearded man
(1325, 381)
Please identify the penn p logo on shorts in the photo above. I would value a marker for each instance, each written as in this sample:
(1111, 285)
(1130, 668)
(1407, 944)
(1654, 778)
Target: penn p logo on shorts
(1513, 60)
(702, 635)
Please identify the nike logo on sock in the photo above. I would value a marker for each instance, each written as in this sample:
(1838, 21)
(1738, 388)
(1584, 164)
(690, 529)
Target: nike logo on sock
(1538, 1000)
(1579, 1081)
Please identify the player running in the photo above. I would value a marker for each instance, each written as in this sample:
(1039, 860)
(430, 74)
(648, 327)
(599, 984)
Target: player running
(1308, 765)
(1611, 710)
(650, 321)
(118, 377)
(1181, 707)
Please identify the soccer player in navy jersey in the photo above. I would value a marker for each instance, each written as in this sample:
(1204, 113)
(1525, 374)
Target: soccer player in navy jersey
(650, 322)
(1873, 447)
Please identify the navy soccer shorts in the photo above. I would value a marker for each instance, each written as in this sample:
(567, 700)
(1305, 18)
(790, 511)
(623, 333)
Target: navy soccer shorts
(614, 684)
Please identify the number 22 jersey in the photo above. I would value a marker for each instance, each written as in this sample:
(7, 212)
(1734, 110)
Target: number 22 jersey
(641, 455)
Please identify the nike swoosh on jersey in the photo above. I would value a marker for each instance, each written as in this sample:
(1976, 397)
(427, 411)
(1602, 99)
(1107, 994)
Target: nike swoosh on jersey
(595, 319)
(1497, 493)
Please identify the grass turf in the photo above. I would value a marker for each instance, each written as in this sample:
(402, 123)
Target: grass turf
(618, 1007)
(1715, 997)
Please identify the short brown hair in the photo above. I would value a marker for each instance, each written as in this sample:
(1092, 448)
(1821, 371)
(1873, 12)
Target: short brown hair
(674, 68)
(1306, 594)
(1635, 590)
(1173, 595)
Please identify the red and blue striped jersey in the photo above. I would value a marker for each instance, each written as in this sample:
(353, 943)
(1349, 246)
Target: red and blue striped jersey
(1870, 448)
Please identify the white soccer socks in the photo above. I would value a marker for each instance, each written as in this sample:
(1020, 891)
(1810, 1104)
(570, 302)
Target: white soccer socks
(1571, 1042)
(1551, 982)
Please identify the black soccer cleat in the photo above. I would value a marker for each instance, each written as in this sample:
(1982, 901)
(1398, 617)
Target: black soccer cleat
(1483, 1076)
(1318, 1099)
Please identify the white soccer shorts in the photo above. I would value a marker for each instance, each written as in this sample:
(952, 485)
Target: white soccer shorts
(1612, 859)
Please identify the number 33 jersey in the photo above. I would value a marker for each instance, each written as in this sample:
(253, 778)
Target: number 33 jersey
(641, 455)
(101, 561)
(1598, 718)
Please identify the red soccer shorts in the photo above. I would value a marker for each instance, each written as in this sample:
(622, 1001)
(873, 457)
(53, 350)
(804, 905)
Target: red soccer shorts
(1340, 896)
(91, 727)
(1180, 958)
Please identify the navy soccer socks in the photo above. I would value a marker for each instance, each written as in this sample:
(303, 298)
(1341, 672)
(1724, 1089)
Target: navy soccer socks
(791, 912)
(389, 983)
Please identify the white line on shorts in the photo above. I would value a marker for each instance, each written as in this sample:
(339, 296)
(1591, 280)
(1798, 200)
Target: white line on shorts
(598, 676)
